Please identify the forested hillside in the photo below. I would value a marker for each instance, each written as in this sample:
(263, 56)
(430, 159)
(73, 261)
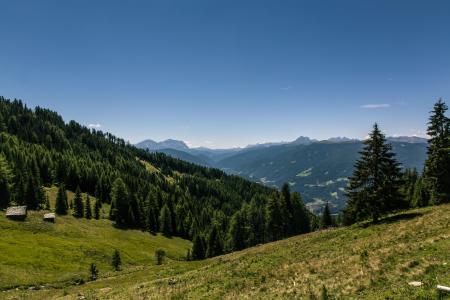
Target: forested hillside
(150, 191)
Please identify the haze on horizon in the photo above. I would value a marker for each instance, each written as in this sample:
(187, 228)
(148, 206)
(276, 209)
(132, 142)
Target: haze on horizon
(222, 74)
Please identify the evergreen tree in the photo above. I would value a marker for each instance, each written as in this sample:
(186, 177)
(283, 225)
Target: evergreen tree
(286, 194)
(61, 206)
(236, 233)
(421, 196)
(5, 182)
(116, 260)
(198, 248)
(165, 221)
(119, 202)
(300, 215)
(94, 272)
(437, 165)
(274, 218)
(78, 207)
(88, 208)
(325, 219)
(97, 207)
(374, 188)
(214, 242)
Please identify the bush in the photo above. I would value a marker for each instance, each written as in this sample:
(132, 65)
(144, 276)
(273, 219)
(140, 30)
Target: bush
(159, 256)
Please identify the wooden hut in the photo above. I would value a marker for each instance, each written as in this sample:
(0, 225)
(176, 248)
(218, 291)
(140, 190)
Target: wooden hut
(16, 212)
(49, 217)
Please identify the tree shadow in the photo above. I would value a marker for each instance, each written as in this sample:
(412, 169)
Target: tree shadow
(393, 219)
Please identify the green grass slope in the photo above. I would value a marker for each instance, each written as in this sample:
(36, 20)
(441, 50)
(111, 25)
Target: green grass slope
(358, 262)
(34, 252)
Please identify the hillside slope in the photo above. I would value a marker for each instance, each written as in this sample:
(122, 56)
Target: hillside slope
(318, 171)
(358, 262)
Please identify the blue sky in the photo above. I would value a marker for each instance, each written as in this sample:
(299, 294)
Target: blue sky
(229, 73)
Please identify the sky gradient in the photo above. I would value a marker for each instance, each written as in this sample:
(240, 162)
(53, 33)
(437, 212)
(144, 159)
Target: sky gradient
(229, 73)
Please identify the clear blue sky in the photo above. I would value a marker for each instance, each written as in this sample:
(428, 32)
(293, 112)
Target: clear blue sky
(229, 73)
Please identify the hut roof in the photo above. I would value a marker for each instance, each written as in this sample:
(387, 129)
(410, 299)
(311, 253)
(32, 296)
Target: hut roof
(49, 216)
(16, 211)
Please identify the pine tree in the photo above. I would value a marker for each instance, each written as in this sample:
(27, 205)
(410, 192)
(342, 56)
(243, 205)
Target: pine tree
(214, 242)
(421, 196)
(116, 260)
(120, 202)
(286, 194)
(78, 207)
(236, 233)
(437, 165)
(374, 188)
(165, 221)
(97, 207)
(5, 182)
(274, 218)
(61, 206)
(326, 220)
(300, 215)
(94, 272)
(198, 248)
(87, 208)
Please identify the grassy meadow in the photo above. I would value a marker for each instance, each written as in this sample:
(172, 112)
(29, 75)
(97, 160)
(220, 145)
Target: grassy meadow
(363, 261)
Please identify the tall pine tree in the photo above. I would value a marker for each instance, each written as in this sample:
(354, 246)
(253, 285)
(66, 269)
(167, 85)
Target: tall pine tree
(165, 221)
(119, 203)
(437, 165)
(374, 187)
(78, 207)
(87, 208)
(61, 205)
(5, 182)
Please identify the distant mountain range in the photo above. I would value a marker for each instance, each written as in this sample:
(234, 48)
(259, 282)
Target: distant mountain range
(317, 169)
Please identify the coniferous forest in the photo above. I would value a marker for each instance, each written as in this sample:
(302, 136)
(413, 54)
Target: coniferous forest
(218, 212)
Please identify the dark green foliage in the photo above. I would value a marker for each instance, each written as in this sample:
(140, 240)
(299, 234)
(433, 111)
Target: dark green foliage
(119, 203)
(198, 248)
(326, 219)
(324, 294)
(214, 242)
(165, 221)
(5, 183)
(421, 194)
(88, 208)
(78, 207)
(97, 207)
(93, 271)
(437, 165)
(374, 188)
(188, 255)
(159, 256)
(274, 218)
(47, 203)
(236, 233)
(116, 261)
(61, 206)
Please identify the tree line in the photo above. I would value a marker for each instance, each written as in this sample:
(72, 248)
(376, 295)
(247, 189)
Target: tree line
(221, 212)
(379, 185)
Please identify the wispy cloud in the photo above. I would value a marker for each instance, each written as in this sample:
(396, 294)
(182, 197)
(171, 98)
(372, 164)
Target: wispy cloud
(286, 88)
(375, 106)
(96, 125)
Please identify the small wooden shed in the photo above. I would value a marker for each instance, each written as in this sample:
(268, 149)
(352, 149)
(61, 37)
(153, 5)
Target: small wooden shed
(16, 212)
(49, 217)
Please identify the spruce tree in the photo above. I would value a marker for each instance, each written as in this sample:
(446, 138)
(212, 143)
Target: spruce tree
(97, 207)
(300, 215)
(5, 182)
(198, 248)
(214, 242)
(47, 203)
(116, 260)
(437, 165)
(119, 203)
(421, 194)
(165, 221)
(78, 207)
(325, 219)
(274, 218)
(94, 272)
(61, 206)
(236, 233)
(374, 187)
(88, 208)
